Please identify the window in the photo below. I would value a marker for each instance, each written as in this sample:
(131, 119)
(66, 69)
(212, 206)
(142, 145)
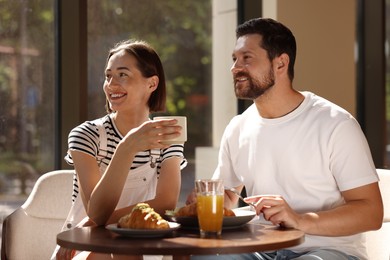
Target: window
(26, 93)
(181, 34)
(179, 30)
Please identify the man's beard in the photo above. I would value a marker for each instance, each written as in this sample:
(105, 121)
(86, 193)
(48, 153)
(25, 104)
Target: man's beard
(255, 88)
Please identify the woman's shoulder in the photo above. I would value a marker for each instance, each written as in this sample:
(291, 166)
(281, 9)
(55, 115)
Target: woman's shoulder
(90, 128)
(105, 120)
(86, 128)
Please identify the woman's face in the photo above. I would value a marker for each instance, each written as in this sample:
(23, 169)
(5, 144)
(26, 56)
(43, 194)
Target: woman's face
(125, 87)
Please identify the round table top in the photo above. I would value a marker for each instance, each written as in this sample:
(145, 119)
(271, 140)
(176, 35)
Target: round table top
(253, 237)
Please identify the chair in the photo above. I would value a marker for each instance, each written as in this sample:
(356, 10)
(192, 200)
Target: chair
(30, 231)
(378, 241)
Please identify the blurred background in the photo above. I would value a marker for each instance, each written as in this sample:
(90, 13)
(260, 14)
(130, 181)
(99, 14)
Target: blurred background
(53, 53)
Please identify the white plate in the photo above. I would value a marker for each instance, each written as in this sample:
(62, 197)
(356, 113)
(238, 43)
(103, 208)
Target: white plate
(243, 216)
(128, 232)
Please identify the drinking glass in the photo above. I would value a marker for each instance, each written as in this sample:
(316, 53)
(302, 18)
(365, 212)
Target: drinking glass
(210, 196)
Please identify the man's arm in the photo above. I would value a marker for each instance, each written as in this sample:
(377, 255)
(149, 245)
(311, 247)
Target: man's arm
(362, 211)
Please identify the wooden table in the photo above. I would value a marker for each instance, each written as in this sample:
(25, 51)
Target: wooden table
(253, 237)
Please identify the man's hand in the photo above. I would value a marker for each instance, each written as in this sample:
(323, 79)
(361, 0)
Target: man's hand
(275, 209)
(361, 212)
(191, 198)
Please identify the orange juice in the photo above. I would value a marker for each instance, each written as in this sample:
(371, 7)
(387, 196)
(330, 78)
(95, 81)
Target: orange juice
(210, 212)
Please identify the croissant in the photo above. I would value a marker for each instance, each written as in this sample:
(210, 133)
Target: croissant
(187, 211)
(228, 212)
(143, 217)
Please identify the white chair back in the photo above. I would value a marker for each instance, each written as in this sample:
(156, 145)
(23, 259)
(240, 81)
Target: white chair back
(378, 241)
(30, 231)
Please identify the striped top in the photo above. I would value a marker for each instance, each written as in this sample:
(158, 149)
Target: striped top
(85, 138)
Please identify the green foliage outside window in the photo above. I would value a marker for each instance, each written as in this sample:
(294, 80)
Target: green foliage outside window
(180, 30)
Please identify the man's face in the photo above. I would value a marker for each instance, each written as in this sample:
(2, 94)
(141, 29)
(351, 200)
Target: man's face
(252, 70)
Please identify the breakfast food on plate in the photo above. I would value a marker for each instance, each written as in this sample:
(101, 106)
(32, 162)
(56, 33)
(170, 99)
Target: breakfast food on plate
(187, 211)
(190, 211)
(143, 217)
(228, 212)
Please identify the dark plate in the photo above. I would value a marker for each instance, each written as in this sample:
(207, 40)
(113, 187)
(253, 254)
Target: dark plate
(243, 216)
(144, 233)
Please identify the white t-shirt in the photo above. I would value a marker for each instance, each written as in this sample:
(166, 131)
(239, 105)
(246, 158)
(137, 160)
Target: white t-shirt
(307, 156)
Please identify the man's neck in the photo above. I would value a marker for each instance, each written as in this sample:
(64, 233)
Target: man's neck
(276, 103)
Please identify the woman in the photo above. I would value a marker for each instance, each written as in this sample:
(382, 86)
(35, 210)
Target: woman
(129, 165)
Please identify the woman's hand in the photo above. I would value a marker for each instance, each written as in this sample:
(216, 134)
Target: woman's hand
(148, 135)
(67, 254)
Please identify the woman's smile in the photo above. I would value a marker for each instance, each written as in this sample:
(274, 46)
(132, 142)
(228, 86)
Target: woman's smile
(116, 96)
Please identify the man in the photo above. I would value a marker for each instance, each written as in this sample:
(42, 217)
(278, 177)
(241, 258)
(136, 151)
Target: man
(304, 149)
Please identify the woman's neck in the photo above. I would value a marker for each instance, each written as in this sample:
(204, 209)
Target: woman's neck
(127, 121)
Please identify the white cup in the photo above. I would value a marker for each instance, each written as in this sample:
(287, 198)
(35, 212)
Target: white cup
(181, 121)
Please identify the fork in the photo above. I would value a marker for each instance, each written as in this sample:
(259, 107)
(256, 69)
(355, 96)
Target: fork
(240, 197)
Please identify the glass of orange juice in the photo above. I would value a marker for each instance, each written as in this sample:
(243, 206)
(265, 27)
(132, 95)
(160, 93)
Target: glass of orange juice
(210, 194)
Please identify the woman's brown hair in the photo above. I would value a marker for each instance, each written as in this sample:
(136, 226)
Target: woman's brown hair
(149, 63)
